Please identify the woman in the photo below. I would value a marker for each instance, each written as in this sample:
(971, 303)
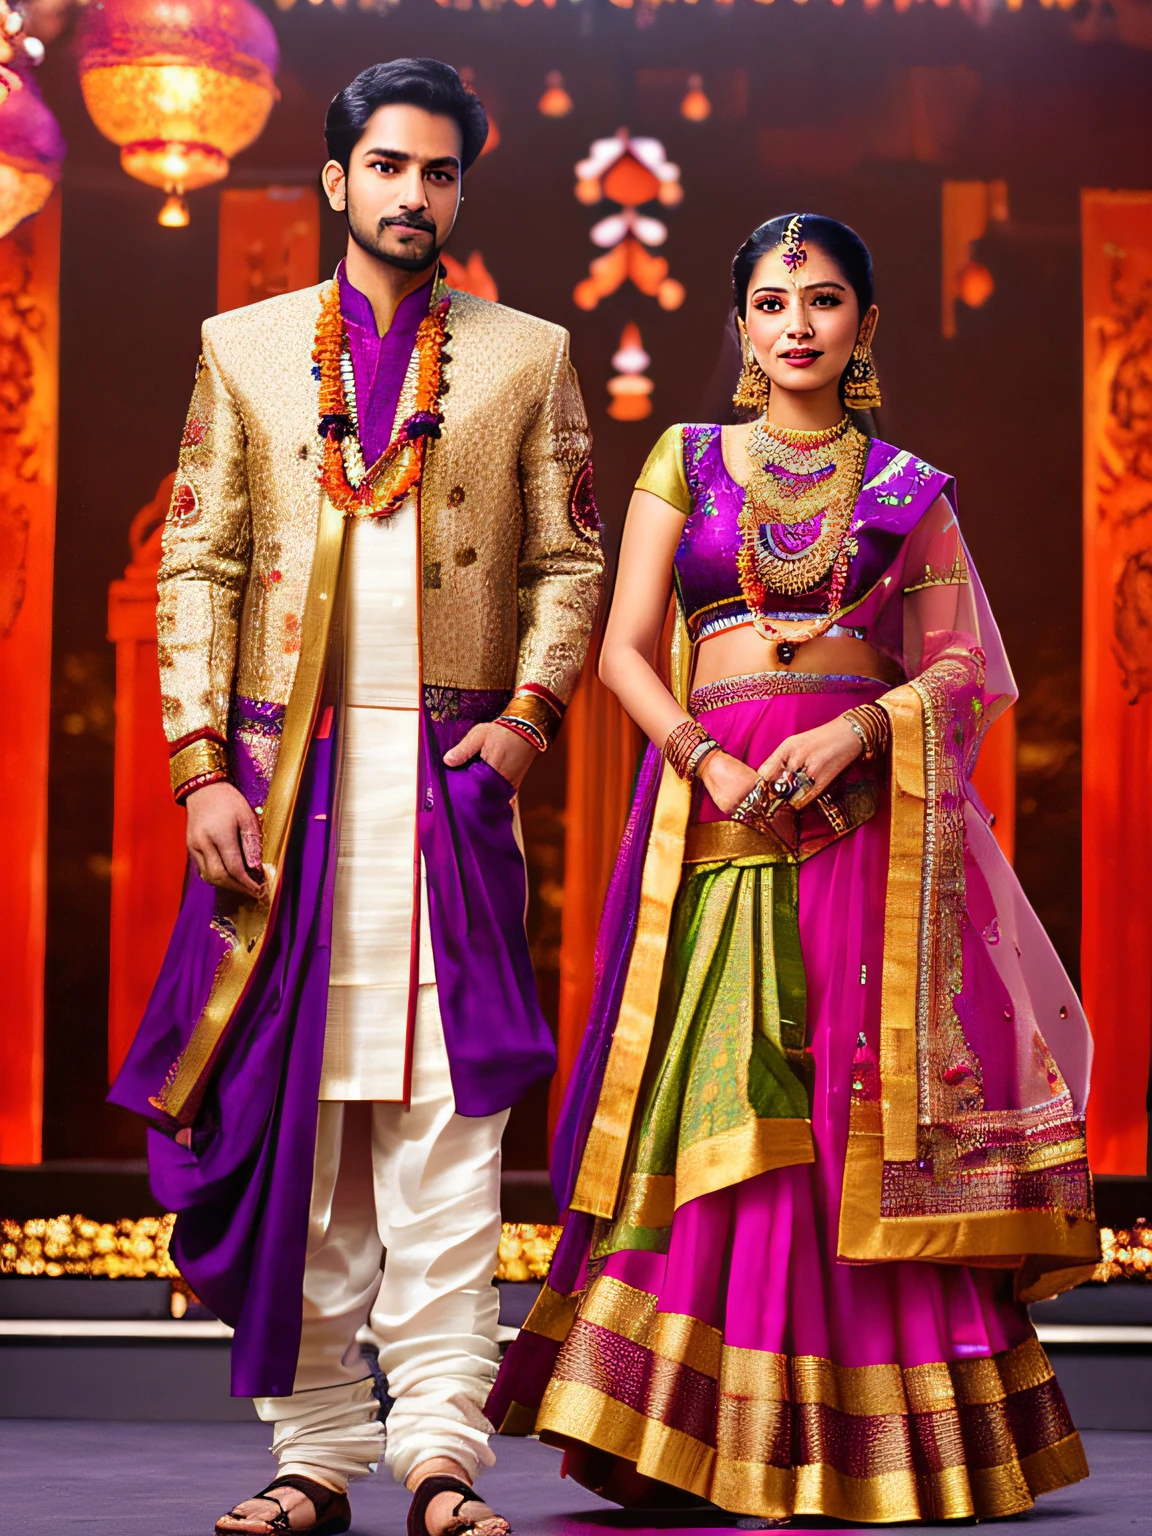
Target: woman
(825, 1137)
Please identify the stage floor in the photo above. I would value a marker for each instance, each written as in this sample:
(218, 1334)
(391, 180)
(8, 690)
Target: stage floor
(144, 1479)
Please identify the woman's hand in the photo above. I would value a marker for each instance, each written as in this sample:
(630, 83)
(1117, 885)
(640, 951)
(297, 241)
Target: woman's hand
(821, 754)
(727, 780)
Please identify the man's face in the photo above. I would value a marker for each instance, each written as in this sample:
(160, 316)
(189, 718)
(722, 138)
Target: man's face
(401, 193)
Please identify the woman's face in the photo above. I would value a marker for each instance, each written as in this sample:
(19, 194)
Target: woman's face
(802, 325)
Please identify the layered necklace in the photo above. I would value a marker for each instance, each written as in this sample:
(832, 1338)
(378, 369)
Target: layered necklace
(352, 487)
(796, 522)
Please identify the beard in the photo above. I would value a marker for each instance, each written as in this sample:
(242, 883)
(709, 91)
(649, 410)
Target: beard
(372, 241)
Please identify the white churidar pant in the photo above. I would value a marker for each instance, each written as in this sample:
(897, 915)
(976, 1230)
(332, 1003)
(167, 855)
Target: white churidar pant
(422, 1183)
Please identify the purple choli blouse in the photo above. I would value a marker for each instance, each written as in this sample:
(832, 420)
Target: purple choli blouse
(898, 489)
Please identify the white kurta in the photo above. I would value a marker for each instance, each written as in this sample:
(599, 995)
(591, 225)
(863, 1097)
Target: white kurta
(365, 1043)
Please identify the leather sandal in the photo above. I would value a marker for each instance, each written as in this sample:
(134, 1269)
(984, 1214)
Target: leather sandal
(333, 1512)
(491, 1525)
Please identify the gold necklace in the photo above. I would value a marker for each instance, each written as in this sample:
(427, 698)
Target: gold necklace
(797, 514)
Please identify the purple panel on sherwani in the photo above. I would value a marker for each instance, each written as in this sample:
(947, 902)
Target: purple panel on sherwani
(379, 363)
(242, 1192)
(499, 1044)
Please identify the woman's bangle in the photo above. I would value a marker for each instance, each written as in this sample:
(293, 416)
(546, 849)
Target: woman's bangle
(686, 747)
(872, 725)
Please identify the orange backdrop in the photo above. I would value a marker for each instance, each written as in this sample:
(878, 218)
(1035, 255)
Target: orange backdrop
(148, 850)
(1117, 820)
(603, 748)
(29, 329)
(269, 243)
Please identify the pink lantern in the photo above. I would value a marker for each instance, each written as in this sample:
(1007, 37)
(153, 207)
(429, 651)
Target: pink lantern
(31, 153)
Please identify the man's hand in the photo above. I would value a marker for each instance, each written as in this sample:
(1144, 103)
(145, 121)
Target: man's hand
(224, 839)
(501, 748)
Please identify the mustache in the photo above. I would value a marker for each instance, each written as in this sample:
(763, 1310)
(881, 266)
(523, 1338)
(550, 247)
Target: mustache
(409, 221)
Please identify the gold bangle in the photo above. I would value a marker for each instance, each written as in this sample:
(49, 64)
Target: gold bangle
(686, 747)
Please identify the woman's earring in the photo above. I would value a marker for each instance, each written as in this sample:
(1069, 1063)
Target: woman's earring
(861, 387)
(753, 387)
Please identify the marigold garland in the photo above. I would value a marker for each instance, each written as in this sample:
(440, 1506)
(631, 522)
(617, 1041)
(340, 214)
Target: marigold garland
(380, 490)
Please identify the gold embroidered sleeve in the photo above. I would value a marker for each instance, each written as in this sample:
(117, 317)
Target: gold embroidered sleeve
(561, 562)
(663, 472)
(202, 578)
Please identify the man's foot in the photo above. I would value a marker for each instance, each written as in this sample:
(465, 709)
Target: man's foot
(444, 1504)
(292, 1504)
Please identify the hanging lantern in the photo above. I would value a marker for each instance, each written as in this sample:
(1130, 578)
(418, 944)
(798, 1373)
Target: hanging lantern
(180, 85)
(631, 388)
(555, 101)
(31, 154)
(695, 107)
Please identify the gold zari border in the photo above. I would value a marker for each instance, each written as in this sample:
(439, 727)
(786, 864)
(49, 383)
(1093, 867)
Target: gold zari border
(180, 1095)
(575, 1411)
(741, 1153)
(598, 1182)
(1001, 1238)
(199, 757)
(722, 842)
(902, 919)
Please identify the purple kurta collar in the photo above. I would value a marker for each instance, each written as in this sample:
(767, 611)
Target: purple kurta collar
(379, 363)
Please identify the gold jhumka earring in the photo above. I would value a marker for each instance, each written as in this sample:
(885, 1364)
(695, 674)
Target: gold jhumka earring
(752, 388)
(861, 387)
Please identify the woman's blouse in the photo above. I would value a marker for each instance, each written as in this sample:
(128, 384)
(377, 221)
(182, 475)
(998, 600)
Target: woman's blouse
(903, 540)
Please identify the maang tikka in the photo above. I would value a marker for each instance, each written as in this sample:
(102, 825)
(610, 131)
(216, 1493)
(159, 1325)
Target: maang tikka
(753, 387)
(861, 387)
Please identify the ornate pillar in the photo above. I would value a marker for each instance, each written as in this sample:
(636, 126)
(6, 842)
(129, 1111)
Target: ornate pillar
(1116, 230)
(29, 330)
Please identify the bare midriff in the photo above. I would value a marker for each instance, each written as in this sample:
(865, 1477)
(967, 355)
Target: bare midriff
(738, 652)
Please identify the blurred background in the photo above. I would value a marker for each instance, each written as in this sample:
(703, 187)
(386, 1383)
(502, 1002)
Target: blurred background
(975, 147)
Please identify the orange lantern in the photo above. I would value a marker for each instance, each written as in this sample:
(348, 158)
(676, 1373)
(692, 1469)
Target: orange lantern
(180, 85)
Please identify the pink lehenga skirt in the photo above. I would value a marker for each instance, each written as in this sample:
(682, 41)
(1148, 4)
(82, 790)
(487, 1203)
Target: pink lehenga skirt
(718, 1346)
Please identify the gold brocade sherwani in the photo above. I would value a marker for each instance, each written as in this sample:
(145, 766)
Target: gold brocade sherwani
(511, 562)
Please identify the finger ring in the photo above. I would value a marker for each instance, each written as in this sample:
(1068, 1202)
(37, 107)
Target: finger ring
(803, 782)
(786, 785)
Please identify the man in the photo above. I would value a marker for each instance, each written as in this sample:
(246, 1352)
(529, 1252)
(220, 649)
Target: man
(380, 570)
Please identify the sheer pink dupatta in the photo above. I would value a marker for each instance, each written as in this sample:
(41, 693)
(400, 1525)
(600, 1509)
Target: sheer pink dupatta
(974, 1150)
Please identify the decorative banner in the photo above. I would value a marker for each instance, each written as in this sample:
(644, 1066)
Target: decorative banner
(269, 243)
(29, 329)
(148, 849)
(631, 389)
(471, 276)
(1116, 230)
(603, 746)
(630, 172)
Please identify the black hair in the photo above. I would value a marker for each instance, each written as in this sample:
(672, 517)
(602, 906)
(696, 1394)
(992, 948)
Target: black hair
(423, 83)
(841, 244)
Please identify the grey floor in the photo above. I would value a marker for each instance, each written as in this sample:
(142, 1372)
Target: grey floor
(174, 1479)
